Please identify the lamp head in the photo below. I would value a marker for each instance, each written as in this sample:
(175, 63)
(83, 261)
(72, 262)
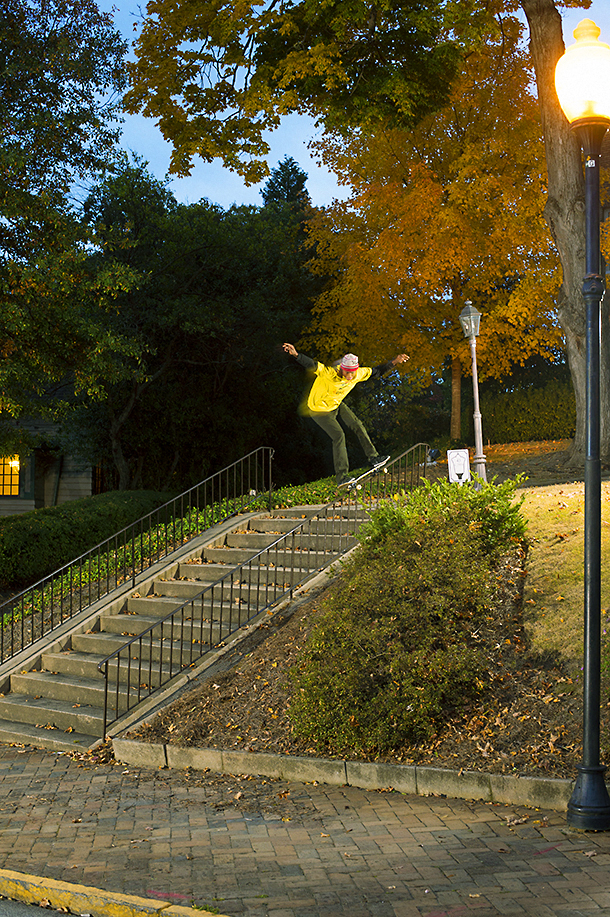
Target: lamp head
(582, 77)
(470, 319)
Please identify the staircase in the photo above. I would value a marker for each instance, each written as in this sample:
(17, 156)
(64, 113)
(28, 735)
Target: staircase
(55, 697)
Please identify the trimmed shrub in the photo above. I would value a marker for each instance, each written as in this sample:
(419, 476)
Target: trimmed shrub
(530, 414)
(395, 650)
(493, 512)
(35, 544)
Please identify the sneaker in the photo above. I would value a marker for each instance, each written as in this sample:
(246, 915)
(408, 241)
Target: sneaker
(346, 479)
(378, 460)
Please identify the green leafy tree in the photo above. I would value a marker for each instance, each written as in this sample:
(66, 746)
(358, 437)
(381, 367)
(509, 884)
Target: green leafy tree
(216, 293)
(54, 334)
(60, 85)
(216, 75)
(287, 185)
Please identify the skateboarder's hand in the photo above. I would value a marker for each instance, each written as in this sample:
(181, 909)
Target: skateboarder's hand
(291, 349)
(401, 358)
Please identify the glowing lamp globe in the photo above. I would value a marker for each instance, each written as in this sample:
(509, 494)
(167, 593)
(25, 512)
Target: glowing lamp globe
(582, 77)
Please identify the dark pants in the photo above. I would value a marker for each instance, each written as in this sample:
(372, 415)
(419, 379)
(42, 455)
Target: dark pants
(329, 422)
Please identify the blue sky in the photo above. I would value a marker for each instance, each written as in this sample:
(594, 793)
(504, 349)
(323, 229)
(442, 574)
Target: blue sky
(219, 185)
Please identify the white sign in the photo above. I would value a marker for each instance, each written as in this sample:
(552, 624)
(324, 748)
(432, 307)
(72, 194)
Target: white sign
(458, 461)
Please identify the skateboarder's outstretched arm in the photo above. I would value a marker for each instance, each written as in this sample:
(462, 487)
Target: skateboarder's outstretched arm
(301, 358)
(386, 367)
(378, 371)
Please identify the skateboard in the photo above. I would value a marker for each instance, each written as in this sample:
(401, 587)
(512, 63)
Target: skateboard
(356, 484)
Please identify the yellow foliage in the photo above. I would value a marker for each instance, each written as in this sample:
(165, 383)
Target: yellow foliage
(449, 212)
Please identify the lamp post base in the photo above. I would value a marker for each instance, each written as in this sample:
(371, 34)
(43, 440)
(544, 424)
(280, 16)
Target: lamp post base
(479, 466)
(589, 805)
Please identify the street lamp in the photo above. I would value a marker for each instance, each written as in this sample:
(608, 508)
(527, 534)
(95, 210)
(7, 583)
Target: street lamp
(582, 81)
(470, 319)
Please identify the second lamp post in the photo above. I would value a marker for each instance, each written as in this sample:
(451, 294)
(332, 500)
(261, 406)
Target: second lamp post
(470, 319)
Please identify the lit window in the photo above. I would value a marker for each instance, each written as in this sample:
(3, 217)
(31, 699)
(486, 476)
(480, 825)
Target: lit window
(9, 476)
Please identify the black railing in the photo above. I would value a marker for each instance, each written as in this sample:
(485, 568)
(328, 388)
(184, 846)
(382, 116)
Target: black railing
(120, 559)
(152, 658)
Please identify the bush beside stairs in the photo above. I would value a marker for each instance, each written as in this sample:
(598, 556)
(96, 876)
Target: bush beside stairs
(53, 695)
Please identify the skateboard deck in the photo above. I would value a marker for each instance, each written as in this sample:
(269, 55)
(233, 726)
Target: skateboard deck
(356, 484)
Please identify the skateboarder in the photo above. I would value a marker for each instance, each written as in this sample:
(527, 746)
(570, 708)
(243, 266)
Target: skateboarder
(325, 404)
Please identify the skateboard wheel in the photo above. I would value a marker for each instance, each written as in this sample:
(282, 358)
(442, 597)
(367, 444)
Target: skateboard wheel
(358, 486)
(385, 470)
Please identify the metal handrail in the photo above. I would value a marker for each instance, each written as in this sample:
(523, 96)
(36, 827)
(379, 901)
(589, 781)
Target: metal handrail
(58, 597)
(222, 607)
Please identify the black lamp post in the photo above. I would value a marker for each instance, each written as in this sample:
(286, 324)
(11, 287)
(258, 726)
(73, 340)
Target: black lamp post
(582, 80)
(470, 320)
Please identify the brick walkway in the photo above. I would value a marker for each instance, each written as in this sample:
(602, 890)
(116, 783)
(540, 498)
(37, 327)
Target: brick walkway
(264, 848)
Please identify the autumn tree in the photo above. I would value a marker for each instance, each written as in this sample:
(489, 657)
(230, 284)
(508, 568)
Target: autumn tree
(449, 212)
(216, 75)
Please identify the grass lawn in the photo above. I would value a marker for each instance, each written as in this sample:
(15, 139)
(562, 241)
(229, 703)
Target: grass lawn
(553, 599)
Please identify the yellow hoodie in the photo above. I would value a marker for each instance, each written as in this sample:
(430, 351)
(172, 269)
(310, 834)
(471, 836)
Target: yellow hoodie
(329, 388)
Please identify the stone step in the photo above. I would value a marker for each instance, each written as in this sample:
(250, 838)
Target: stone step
(209, 573)
(86, 692)
(158, 604)
(340, 525)
(287, 556)
(180, 590)
(49, 711)
(103, 644)
(296, 512)
(50, 739)
(68, 688)
(218, 600)
(334, 535)
(322, 541)
(85, 665)
(254, 541)
(203, 572)
(317, 537)
(273, 525)
(299, 513)
(189, 631)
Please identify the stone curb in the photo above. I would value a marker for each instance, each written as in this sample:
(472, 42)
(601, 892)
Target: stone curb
(82, 899)
(535, 792)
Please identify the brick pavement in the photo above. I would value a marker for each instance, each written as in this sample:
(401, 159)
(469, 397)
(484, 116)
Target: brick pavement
(264, 848)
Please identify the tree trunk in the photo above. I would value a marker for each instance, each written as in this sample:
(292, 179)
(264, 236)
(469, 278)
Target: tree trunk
(565, 215)
(116, 425)
(117, 422)
(456, 398)
(120, 461)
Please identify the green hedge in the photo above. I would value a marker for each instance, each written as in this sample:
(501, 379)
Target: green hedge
(394, 652)
(37, 543)
(530, 414)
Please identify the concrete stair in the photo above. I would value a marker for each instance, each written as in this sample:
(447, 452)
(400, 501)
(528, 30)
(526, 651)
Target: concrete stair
(56, 700)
